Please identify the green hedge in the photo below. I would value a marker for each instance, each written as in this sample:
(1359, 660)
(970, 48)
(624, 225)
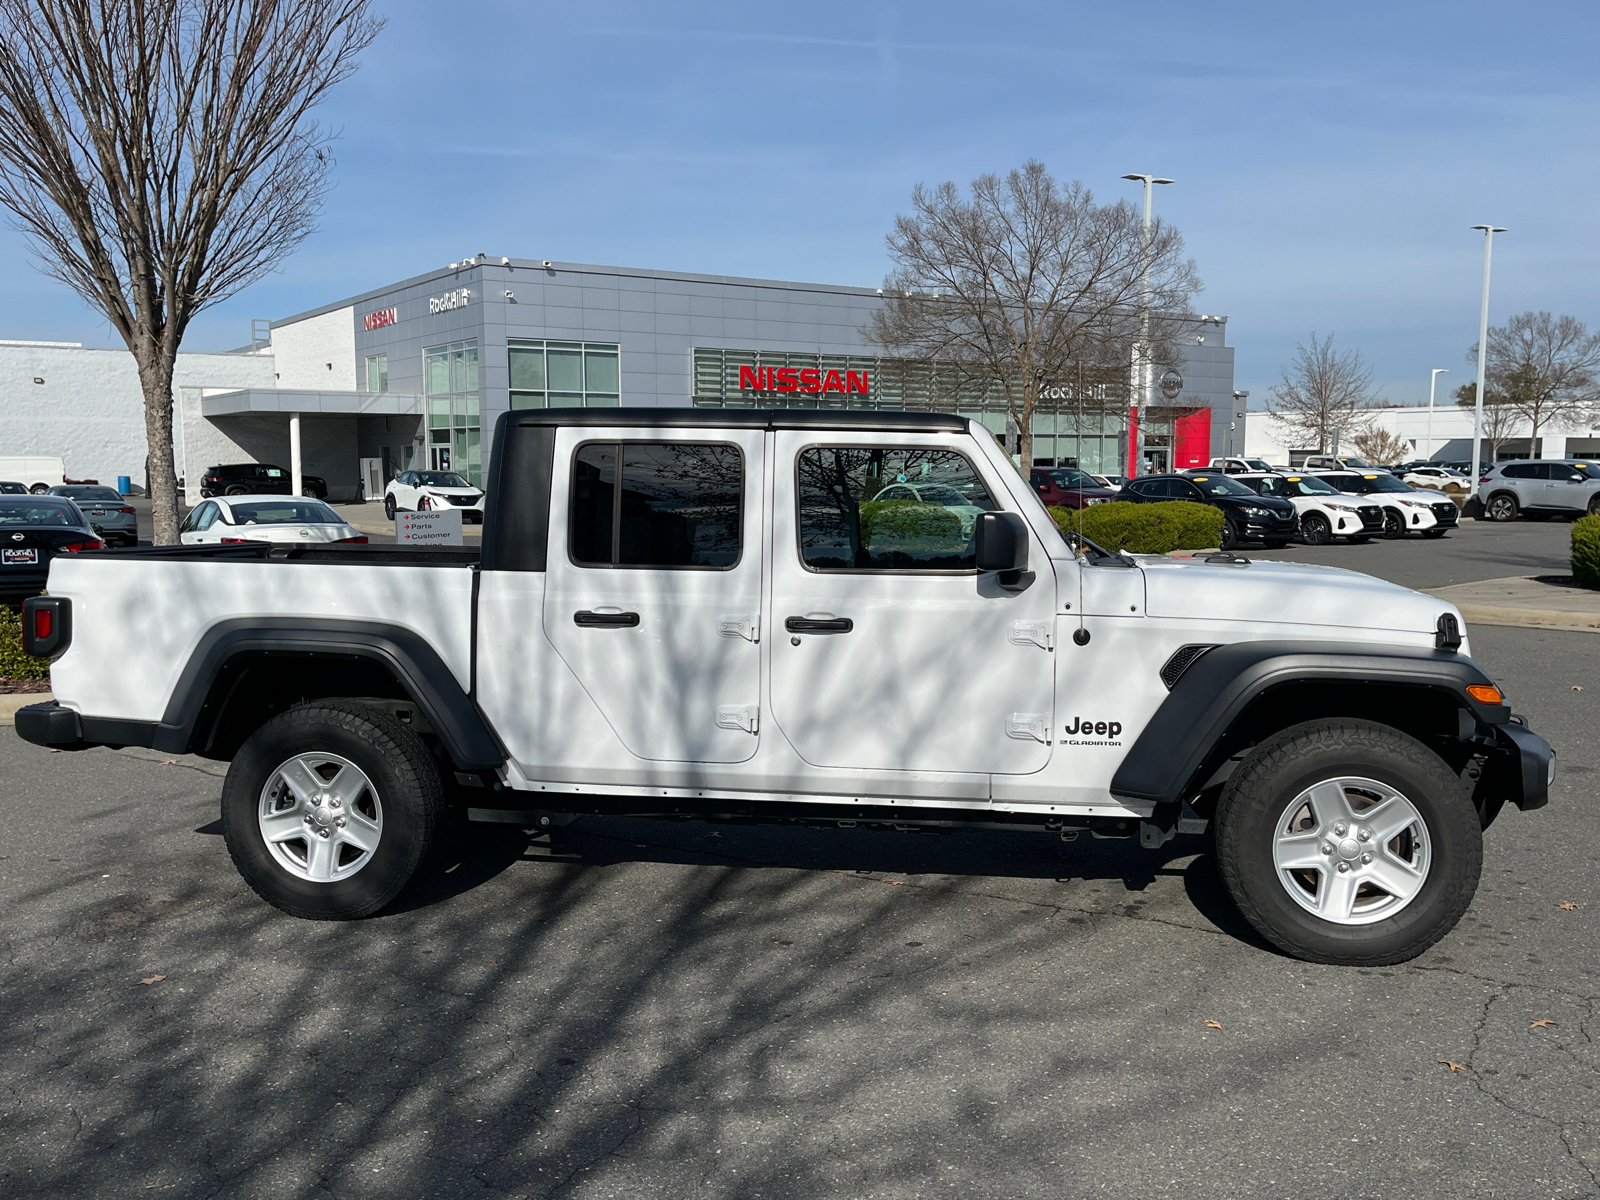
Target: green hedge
(14, 664)
(1146, 528)
(1586, 552)
(905, 524)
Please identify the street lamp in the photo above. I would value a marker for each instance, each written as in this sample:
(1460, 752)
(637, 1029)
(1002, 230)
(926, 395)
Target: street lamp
(1241, 401)
(1432, 380)
(1483, 343)
(1146, 374)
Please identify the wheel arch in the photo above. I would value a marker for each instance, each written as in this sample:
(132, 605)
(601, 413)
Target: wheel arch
(244, 671)
(1233, 696)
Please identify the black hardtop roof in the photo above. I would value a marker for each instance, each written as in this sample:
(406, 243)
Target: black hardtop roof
(741, 418)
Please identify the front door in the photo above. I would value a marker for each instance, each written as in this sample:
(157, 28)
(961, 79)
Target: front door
(890, 652)
(653, 585)
(439, 458)
(1568, 487)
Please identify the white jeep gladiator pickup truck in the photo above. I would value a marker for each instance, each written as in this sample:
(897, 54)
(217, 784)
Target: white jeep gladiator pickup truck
(710, 613)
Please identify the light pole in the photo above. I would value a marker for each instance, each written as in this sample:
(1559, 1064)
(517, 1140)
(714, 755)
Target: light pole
(1146, 375)
(1483, 345)
(1432, 380)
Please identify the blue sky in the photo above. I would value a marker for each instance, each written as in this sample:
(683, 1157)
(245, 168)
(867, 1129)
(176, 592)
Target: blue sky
(1329, 158)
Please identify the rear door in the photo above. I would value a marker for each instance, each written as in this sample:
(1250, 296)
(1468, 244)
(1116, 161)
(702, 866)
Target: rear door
(890, 652)
(653, 585)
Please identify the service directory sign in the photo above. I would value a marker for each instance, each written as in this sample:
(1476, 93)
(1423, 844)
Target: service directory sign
(441, 528)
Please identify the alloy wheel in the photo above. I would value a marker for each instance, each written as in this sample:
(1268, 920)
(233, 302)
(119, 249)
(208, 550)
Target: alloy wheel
(320, 817)
(1351, 851)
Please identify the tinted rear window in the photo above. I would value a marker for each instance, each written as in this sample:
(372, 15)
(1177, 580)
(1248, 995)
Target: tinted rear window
(37, 512)
(673, 504)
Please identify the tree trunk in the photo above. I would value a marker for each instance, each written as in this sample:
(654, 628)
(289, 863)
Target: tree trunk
(155, 381)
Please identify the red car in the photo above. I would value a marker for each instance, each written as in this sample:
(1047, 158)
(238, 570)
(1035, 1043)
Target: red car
(1068, 487)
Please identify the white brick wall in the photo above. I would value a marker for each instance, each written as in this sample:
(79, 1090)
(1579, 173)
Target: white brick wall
(317, 353)
(89, 409)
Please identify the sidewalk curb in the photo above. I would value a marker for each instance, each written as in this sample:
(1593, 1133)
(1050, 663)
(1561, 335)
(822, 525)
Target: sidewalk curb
(1530, 618)
(10, 704)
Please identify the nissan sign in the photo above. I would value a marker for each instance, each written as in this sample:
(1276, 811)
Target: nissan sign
(788, 379)
(377, 320)
(1171, 384)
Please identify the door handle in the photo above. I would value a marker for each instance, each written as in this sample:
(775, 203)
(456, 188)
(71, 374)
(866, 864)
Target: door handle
(818, 624)
(585, 617)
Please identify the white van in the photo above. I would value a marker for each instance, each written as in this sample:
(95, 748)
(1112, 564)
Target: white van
(37, 472)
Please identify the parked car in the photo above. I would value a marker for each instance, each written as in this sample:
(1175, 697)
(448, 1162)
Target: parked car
(1434, 476)
(1110, 481)
(760, 659)
(422, 491)
(1068, 487)
(10, 487)
(1542, 488)
(107, 511)
(1406, 510)
(257, 479)
(298, 519)
(1325, 512)
(34, 530)
(1246, 515)
(40, 472)
(1240, 466)
(1338, 462)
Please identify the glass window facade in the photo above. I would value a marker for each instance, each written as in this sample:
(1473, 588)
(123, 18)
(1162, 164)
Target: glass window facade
(377, 373)
(547, 374)
(450, 375)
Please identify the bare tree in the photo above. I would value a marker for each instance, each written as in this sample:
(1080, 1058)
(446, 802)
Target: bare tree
(1546, 368)
(1322, 393)
(1380, 446)
(1024, 284)
(1501, 419)
(160, 156)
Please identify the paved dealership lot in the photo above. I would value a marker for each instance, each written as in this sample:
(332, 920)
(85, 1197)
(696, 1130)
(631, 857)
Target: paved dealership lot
(645, 1009)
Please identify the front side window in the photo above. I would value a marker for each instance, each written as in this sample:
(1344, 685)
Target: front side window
(656, 504)
(880, 509)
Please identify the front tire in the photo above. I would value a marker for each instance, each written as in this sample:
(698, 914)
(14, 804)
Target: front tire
(329, 808)
(1394, 525)
(1502, 506)
(1349, 843)
(388, 506)
(1230, 536)
(1315, 530)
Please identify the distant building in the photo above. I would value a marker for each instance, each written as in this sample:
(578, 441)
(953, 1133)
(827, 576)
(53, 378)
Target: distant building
(1445, 437)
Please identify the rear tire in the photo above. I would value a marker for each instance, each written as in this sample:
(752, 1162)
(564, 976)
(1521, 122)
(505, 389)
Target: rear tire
(316, 866)
(235, 490)
(1502, 506)
(1354, 794)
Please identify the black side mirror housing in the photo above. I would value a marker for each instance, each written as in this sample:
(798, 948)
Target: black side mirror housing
(1000, 542)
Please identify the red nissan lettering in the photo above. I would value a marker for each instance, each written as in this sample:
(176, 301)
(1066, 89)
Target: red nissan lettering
(810, 381)
(749, 379)
(833, 383)
(856, 381)
(786, 380)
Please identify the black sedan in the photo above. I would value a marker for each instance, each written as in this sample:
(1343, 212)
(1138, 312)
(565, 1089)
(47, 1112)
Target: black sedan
(1246, 516)
(33, 530)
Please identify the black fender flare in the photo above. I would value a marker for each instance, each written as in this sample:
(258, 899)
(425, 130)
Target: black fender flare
(1163, 763)
(408, 656)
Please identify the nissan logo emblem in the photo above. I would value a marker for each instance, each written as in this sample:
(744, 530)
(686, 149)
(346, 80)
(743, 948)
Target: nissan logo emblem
(16, 537)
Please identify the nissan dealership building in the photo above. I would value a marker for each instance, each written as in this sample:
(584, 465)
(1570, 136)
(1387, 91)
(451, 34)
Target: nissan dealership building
(414, 374)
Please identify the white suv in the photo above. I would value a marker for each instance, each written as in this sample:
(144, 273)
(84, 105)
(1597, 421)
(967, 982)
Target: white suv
(422, 491)
(1440, 479)
(1406, 510)
(1325, 512)
(1569, 487)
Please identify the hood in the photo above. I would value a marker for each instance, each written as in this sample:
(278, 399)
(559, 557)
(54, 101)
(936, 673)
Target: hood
(1270, 503)
(1285, 593)
(434, 490)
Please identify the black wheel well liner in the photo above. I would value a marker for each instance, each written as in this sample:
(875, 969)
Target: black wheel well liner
(1237, 694)
(248, 667)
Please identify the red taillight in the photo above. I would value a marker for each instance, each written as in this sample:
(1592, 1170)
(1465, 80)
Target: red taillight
(75, 547)
(360, 537)
(43, 623)
(234, 541)
(128, 511)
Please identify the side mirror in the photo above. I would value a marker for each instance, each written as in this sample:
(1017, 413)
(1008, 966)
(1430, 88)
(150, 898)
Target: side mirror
(1576, 478)
(1000, 542)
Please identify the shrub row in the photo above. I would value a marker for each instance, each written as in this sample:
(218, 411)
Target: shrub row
(1586, 552)
(14, 664)
(1145, 528)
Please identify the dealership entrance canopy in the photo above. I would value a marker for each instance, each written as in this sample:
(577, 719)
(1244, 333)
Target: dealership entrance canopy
(414, 374)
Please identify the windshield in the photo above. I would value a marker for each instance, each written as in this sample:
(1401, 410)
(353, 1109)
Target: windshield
(1068, 478)
(1290, 486)
(38, 512)
(440, 479)
(1380, 483)
(1221, 485)
(1354, 462)
(283, 512)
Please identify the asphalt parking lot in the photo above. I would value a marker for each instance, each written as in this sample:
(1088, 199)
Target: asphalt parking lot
(642, 1009)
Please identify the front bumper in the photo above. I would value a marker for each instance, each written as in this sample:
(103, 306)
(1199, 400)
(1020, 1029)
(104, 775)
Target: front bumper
(1275, 526)
(1527, 766)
